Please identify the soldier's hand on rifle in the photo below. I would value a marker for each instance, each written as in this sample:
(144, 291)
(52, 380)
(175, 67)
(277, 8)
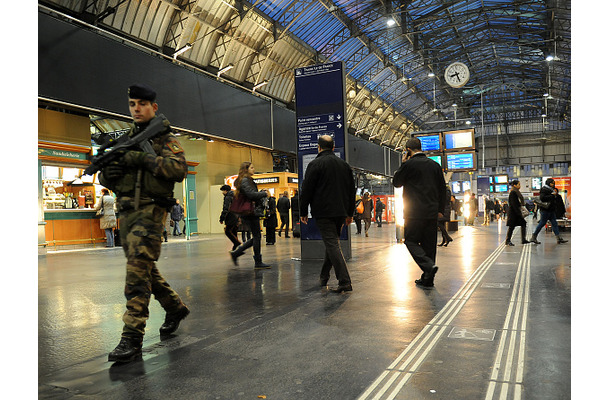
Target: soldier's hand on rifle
(137, 159)
(113, 171)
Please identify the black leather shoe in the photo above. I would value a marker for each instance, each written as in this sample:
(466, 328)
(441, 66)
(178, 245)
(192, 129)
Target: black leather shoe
(509, 243)
(129, 349)
(442, 244)
(449, 241)
(172, 321)
(343, 288)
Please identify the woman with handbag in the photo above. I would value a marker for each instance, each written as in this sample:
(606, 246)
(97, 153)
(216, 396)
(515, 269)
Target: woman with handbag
(516, 213)
(547, 205)
(105, 207)
(250, 205)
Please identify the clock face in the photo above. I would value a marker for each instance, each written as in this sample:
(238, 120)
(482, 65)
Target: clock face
(457, 74)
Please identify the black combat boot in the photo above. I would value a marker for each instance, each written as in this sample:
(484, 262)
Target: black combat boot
(129, 349)
(172, 320)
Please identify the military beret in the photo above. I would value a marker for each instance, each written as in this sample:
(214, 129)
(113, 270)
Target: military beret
(141, 91)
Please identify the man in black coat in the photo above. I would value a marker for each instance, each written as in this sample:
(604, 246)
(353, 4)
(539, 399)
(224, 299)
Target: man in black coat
(283, 207)
(423, 194)
(328, 186)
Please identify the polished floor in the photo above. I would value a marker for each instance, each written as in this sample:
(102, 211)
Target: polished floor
(496, 325)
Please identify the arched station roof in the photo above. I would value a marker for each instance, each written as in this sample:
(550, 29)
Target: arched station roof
(518, 53)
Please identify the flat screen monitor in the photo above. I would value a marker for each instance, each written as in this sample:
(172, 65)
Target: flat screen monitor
(501, 188)
(436, 157)
(466, 186)
(461, 161)
(536, 183)
(430, 142)
(456, 187)
(491, 188)
(501, 179)
(459, 140)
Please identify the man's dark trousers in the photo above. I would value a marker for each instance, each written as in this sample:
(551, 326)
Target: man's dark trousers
(420, 239)
(330, 229)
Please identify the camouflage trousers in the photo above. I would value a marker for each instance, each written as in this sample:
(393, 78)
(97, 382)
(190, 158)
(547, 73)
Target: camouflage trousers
(141, 232)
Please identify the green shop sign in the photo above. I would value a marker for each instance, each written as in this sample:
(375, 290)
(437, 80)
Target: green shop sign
(72, 155)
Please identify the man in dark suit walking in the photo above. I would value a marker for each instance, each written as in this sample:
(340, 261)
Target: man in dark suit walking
(423, 194)
(328, 186)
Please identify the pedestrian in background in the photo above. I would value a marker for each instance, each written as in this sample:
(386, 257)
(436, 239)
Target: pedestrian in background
(379, 207)
(177, 216)
(367, 216)
(108, 220)
(245, 186)
(227, 217)
(548, 198)
(423, 195)
(283, 207)
(328, 186)
(446, 217)
(515, 215)
(270, 220)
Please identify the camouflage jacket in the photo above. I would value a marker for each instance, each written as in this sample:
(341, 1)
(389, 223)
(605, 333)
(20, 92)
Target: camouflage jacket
(158, 176)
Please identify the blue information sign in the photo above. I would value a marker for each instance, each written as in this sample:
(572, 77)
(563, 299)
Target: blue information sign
(320, 110)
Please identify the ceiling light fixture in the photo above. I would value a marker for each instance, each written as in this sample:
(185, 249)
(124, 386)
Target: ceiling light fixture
(258, 86)
(182, 50)
(390, 22)
(225, 69)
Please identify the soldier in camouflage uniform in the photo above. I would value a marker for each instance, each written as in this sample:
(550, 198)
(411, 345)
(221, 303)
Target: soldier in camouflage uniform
(141, 222)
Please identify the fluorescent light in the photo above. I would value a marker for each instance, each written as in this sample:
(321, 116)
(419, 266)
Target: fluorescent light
(550, 58)
(391, 22)
(225, 69)
(182, 50)
(263, 83)
(430, 74)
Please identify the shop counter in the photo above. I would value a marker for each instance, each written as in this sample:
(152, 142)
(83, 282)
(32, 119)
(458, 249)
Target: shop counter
(72, 226)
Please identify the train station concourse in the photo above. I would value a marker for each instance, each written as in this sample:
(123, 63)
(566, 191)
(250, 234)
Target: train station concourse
(496, 324)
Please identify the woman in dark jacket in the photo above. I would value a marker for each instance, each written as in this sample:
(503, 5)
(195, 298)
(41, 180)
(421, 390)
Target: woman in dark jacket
(548, 195)
(245, 186)
(446, 217)
(515, 217)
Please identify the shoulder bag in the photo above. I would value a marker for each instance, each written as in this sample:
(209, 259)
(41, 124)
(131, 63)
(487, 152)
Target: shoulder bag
(524, 212)
(541, 204)
(242, 205)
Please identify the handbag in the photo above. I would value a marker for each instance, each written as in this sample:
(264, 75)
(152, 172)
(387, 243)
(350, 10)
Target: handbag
(360, 208)
(524, 212)
(542, 204)
(242, 205)
(99, 213)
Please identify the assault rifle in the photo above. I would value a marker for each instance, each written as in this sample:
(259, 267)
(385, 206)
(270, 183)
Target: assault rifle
(113, 149)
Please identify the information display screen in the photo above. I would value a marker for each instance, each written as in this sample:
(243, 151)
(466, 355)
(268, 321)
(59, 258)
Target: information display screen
(438, 158)
(430, 142)
(466, 186)
(536, 183)
(456, 187)
(461, 161)
(501, 188)
(501, 179)
(458, 140)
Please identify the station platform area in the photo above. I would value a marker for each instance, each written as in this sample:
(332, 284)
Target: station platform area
(496, 325)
